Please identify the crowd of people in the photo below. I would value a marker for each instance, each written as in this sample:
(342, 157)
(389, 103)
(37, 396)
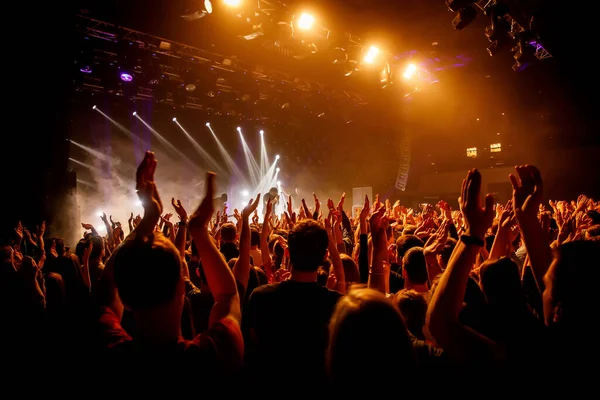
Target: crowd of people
(316, 296)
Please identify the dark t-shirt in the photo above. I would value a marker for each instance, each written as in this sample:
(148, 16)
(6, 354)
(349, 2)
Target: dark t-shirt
(214, 354)
(287, 324)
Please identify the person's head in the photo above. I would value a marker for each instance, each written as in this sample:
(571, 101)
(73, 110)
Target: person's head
(367, 333)
(413, 307)
(405, 243)
(58, 244)
(97, 248)
(414, 267)
(254, 237)
(409, 230)
(350, 269)
(570, 297)
(500, 282)
(228, 232)
(147, 273)
(307, 245)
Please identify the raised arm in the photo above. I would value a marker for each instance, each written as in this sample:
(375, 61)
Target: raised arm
(218, 275)
(527, 196)
(241, 269)
(442, 322)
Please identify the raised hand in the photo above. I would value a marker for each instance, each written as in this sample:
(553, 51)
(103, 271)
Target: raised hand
(340, 205)
(41, 229)
(199, 220)
(435, 243)
(527, 191)
(317, 203)
(251, 207)
(147, 191)
(477, 219)
(364, 213)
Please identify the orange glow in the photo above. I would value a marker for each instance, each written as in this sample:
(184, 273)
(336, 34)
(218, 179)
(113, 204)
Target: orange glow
(305, 22)
(371, 55)
(410, 71)
(232, 3)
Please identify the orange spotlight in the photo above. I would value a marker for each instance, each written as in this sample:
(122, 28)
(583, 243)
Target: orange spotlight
(410, 71)
(232, 3)
(305, 22)
(371, 55)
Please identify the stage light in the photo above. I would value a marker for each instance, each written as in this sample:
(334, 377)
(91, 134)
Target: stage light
(277, 170)
(278, 183)
(94, 107)
(138, 203)
(239, 129)
(262, 132)
(371, 55)
(305, 22)
(232, 3)
(99, 213)
(208, 6)
(245, 193)
(126, 77)
(86, 70)
(174, 119)
(190, 87)
(410, 71)
(208, 124)
(134, 113)
(277, 157)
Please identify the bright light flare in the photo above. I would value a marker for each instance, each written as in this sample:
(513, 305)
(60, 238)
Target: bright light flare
(277, 157)
(232, 3)
(305, 22)
(245, 193)
(262, 132)
(207, 124)
(278, 183)
(410, 71)
(94, 107)
(138, 203)
(99, 213)
(174, 119)
(371, 55)
(277, 170)
(134, 113)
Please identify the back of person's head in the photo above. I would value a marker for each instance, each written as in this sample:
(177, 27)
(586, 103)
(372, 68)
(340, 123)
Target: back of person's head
(367, 333)
(254, 237)
(405, 243)
(59, 245)
(350, 269)
(501, 283)
(413, 307)
(570, 296)
(228, 232)
(80, 249)
(447, 251)
(147, 272)
(232, 262)
(307, 244)
(97, 248)
(414, 266)
(409, 230)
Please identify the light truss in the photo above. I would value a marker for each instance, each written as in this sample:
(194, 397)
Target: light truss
(193, 57)
(540, 52)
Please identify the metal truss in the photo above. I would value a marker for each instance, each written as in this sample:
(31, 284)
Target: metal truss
(540, 52)
(194, 57)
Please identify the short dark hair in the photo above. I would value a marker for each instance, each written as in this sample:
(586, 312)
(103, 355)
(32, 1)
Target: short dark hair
(415, 266)
(254, 237)
(307, 244)
(147, 271)
(448, 250)
(405, 243)
(228, 232)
